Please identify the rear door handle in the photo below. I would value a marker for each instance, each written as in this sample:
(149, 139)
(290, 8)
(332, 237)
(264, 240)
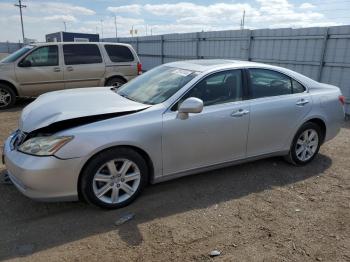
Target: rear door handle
(57, 69)
(70, 68)
(302, 102)
(239, 113)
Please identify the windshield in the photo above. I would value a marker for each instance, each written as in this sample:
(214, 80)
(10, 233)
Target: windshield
(14, 56)
(156, 85)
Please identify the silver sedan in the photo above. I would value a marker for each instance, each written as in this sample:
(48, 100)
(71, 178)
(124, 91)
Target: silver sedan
(181, 118)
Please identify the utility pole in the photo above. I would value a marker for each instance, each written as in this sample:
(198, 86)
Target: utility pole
(116, 28)
(20, 6)
(65, 26)
(243, 19)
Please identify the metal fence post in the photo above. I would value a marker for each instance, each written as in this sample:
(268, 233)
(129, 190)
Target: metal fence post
(137, 45)
(323, 54)
(197, 45)
(162, 49)
(249, 45)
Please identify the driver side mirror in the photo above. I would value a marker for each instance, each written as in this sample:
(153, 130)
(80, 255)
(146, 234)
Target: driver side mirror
(189, 105)
(25, 63)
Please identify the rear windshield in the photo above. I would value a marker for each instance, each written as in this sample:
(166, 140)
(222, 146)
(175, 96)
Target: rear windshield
(119, 53)
(14, 56)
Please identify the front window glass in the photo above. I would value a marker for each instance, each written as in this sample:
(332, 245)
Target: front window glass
(218, 88)
(266, 82)
(43, 56)
(156, 85)
(14, 56)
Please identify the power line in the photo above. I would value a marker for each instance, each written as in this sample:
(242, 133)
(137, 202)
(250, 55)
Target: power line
(20, 6)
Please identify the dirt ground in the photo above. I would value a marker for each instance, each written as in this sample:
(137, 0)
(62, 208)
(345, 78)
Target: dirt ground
(260, 211)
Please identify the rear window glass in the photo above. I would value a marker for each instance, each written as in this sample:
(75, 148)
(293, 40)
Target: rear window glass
(118, 53)
(81, 54)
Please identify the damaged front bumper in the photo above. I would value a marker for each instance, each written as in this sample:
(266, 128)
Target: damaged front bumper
(45, 178)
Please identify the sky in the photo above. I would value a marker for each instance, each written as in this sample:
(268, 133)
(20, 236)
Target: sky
(164, 17)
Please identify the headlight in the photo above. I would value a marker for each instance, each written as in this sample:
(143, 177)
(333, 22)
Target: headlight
(44, 145)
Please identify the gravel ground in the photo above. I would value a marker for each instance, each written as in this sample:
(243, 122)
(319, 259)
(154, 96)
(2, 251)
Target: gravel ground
(260, 211)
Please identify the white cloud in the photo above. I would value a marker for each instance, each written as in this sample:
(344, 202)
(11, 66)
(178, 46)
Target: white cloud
(306, 6)
(6, 6)
(41, 17)
(60, 18)
(58, 8)
(132, 9)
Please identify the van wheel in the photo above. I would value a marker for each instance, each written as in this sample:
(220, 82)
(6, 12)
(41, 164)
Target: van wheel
(305, 145)
(115, 82)
(7, 97)
(114, 178)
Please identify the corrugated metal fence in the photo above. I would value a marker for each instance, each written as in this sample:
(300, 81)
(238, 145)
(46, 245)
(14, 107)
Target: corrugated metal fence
(8, 48)
(322, 53)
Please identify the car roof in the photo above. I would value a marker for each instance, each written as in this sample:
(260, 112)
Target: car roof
(202, 65)
(210, 65)
(76, 43)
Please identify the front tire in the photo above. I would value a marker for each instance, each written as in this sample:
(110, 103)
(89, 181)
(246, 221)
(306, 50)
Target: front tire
(305, 145)
(7, 97)
(114, 178)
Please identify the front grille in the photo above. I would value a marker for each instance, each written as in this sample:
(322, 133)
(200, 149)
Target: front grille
(17, 139)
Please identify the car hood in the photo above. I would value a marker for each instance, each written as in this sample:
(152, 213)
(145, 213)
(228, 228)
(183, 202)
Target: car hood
(73, 104)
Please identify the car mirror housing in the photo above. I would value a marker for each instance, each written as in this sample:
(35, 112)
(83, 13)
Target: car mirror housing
(190, 105)
(25, 63)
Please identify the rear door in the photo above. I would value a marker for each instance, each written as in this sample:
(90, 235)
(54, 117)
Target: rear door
(278, 103)
(40, 71)
(83, 65)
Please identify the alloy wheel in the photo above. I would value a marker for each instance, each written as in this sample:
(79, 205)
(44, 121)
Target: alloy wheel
(116, 181)
(5, 97)
(306, 145)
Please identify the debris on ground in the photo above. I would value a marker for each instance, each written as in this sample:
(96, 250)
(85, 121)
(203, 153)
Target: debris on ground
(5, 180)
(215, 253)
(125, 218)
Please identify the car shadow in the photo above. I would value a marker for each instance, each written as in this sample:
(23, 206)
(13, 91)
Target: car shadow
(27, 226)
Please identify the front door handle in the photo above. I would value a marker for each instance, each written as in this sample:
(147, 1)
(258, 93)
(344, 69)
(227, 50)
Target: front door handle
(70, 68)
(239, 113)
(302, 102)
(57, 69)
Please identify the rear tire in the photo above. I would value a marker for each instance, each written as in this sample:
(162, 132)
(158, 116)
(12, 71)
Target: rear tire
(305, 145)
(114, 178)
(115, 82)
(7, 97)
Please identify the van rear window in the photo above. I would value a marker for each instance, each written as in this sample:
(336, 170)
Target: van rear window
(119, 53)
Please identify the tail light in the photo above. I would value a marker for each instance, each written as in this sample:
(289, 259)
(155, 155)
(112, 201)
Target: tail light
(139, 68)
(342, 100)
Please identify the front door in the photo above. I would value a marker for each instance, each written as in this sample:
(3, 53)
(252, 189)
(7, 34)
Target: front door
(40, 71)
(84, 66)
(216, 135)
